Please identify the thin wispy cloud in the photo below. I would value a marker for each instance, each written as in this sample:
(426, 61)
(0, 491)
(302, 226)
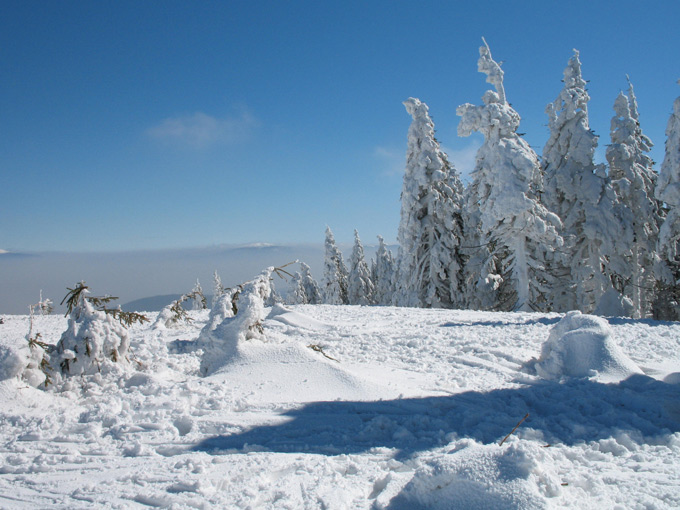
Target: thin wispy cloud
(200, 130)
(464, 159)
(392, 160)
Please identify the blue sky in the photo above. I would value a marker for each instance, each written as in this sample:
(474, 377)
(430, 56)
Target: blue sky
(156, 125)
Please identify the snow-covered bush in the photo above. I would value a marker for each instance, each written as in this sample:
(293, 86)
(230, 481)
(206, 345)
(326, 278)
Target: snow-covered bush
(175, 313)
(242, 322)
(30, 361)
(96, 338)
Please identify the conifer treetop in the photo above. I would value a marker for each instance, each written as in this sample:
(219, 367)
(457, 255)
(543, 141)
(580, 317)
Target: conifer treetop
(494, 74)
(496, 118)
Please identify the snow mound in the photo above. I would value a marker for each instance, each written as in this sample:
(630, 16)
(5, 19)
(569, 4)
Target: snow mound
(295, 319)
(292, 372)
(478, 476)
(582, 346)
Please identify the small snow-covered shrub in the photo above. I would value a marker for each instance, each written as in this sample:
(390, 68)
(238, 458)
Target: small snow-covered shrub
(174, 313)
(243, 313)
(96, 336)
(30, 361)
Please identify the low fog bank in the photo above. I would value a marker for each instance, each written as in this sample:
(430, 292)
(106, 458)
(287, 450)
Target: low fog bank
(145, 274)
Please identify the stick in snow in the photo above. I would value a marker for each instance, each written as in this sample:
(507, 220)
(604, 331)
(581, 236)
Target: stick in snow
(513, 430)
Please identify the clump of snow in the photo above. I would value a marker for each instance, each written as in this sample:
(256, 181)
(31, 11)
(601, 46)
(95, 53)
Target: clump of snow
(613, 304)
(13, 360)
(583, 346)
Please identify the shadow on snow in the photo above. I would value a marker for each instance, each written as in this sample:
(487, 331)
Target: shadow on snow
(570, 412)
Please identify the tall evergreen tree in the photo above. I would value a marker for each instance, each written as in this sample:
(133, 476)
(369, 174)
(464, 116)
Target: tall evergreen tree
(578, 191)
(518, 231)
(667, 305)
(360, 289)
(430, 230)
(633, 177)
(382, 271)
(335, 274)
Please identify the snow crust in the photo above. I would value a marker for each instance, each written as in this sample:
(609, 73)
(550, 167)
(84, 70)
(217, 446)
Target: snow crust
(408, 413)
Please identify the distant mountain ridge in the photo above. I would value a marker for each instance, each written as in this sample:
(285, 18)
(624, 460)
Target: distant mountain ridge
(150, 304)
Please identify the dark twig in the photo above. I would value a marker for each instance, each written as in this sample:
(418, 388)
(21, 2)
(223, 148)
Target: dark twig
(513, 430)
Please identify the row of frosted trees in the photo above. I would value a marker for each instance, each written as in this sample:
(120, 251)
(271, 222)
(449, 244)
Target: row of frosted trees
(555, 233)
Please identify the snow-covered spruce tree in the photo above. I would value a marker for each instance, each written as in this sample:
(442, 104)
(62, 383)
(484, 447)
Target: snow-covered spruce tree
(96, 339)
(198, 298)
(218, 289)
(382, 273)
(634, 179)
(303, 289)
(312, 291)
(667, 303)
(335, 274)
(429, 262)
(360, 288)
(578, 191)
(296, 291)
(504, 206)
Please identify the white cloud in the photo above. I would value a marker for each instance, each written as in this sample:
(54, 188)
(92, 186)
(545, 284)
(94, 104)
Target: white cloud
(3, 251)
(200, 130)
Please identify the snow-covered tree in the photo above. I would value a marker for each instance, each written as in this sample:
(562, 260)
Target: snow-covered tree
(634, 179)
(335, 276)
(430, 264)
(383, 272)
(360, 288)
(578, 191)
(218, 289)
(296, 291)
(198, 298)
(667, 305)
(303, 288)
(518, 232)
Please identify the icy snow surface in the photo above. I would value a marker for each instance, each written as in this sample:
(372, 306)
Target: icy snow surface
(408, 414)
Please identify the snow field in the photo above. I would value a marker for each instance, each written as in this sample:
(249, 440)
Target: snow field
(408, 414)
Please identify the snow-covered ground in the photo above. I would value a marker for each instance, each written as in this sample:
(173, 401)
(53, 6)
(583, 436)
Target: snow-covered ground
(408, 414)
